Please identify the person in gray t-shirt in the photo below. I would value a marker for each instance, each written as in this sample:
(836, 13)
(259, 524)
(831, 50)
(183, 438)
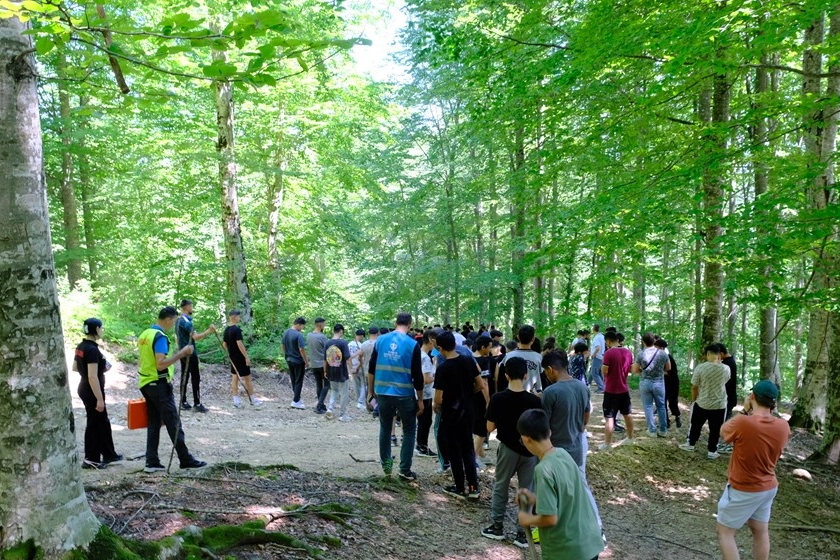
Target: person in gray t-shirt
(316, 342)
(293, 347)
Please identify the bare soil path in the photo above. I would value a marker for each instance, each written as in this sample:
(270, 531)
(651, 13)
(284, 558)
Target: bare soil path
(656, 501)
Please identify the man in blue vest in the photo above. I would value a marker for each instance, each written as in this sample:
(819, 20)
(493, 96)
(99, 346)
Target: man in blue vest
(395, 378)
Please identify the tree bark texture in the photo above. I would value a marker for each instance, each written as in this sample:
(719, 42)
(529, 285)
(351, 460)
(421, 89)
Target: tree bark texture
(41, 495)
(239, 295)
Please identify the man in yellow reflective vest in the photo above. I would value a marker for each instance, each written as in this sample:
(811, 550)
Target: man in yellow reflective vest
(155, 381)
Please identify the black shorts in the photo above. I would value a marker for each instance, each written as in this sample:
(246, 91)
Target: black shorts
(615, 403)
(244, 371)
(479, 413)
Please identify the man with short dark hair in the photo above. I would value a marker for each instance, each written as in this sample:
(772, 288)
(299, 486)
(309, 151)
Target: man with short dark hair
(565, 512)
(240, 362)
(708, 394)
(599, 347)
(511, 457)
(533, 359)
(615, 369)
(155, 381)
(293, 348)
(316, 343)
(758, 439)
(395, 378)
(337, 360)
(186, 335)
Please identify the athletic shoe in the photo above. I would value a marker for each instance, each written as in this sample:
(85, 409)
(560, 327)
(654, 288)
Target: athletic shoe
(256, 402)
(424, 452)
(115, 459)
(329, 414)
(521, 540)
(712, 455)
(679, 422)
(725, 448)
(494, 531)
(200, 408)
(153, 468)
(604, 447)
(443, 469)
(408, 477)
(345, 418)
(486, 446)
(237, 402)
(96, 465)
(619, 428)
(193, 463)
(185, 405)
(473, 493)
(298, 405)
(388, 466)
(393, 440)
(662, 433)
(535, 534)
(686, 447)
(627, 441)
(360, 406)
(454, 492)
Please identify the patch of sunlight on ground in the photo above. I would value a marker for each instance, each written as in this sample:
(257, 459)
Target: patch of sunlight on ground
(699, 492)
(263, 510)
(494, 552)
(263, 434)
(630, 498)
(383, 497)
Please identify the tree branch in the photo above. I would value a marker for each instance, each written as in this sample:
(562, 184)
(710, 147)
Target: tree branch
(115, 64)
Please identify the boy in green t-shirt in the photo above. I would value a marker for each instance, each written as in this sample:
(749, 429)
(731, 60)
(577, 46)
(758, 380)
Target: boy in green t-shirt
(568, 525)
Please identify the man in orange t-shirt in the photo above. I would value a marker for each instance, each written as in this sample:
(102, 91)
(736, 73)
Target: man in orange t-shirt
(758, 440)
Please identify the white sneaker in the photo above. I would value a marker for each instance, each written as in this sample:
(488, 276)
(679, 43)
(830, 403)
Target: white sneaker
(360, 406)
(712, 455)
(604, 447)
(330, 415)
(237, 402)
(345, 418)
(686, 447)
(256, 402)
(627, 441)
(297, 404)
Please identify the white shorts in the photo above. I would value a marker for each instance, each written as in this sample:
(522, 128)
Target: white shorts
(735, 508)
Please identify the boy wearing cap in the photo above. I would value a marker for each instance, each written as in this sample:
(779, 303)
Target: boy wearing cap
(758, 439)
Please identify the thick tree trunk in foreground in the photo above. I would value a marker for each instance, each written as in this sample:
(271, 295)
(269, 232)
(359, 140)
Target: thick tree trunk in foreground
(239, 295)
(41, 496)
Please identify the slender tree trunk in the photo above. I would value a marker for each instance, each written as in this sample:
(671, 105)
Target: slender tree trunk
(43, 500)
(88, 192)
(714, 179)
(797, 345)
(519, 217)
(239, 295)
(276, 194)
(72, 243)
(809, 411)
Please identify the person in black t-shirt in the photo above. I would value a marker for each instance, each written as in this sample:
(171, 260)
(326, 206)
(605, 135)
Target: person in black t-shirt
(455, 381)
(512, 457)
(91, 365)
(481, 397)
(240, 367)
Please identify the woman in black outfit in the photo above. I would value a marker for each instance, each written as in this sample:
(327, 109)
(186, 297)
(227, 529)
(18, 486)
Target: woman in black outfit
(91, 365)
(672, 385)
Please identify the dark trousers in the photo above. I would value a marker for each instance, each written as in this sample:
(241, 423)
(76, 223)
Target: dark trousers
(161, 409)
(699, 416)
(189, 365)
(99, 443)
(459, 445)
(296, 373)
(424, 425)
(322, 386)
(672, 393)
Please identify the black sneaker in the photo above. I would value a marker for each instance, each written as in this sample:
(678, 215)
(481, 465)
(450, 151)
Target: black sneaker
(494, 531)
(679, 422)
(153, 468)
(408, 477)
(454, 492)
(520, 540)
(95, 465)
(393, 440)
(200, 408)
(425, 452)
(473, 493)
(114, 459)
(619, 428)
(193, 463)
(185, 405)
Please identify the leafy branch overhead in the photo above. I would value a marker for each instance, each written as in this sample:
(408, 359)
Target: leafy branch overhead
(257, 43)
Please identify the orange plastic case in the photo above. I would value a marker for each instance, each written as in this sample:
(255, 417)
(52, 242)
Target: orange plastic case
(137, 416)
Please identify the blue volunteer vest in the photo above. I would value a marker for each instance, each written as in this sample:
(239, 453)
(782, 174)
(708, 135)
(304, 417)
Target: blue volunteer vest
(392, 374)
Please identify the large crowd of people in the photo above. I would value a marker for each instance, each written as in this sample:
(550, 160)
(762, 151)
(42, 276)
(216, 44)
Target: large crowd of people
(453, 388)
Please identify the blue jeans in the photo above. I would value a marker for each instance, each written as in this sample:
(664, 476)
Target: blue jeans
(653, 391)
(388, 408)
(595, 373)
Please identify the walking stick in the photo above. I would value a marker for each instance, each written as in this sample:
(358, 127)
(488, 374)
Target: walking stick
(524, 506)
(227, 358)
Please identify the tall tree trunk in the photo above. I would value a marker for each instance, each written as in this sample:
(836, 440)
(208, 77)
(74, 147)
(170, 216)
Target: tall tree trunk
(88, 192)
(72, 243)
(518, 209)
(809, 411)
(43, 500)
(239, 295)
(714, 179)
(276, 194)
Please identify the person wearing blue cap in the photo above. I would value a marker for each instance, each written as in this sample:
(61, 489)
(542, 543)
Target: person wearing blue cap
(758, 439)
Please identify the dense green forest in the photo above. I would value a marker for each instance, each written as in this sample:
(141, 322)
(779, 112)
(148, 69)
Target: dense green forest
(658, 166)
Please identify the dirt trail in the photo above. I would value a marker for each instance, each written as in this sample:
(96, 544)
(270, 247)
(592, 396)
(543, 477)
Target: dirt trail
(656, 501)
